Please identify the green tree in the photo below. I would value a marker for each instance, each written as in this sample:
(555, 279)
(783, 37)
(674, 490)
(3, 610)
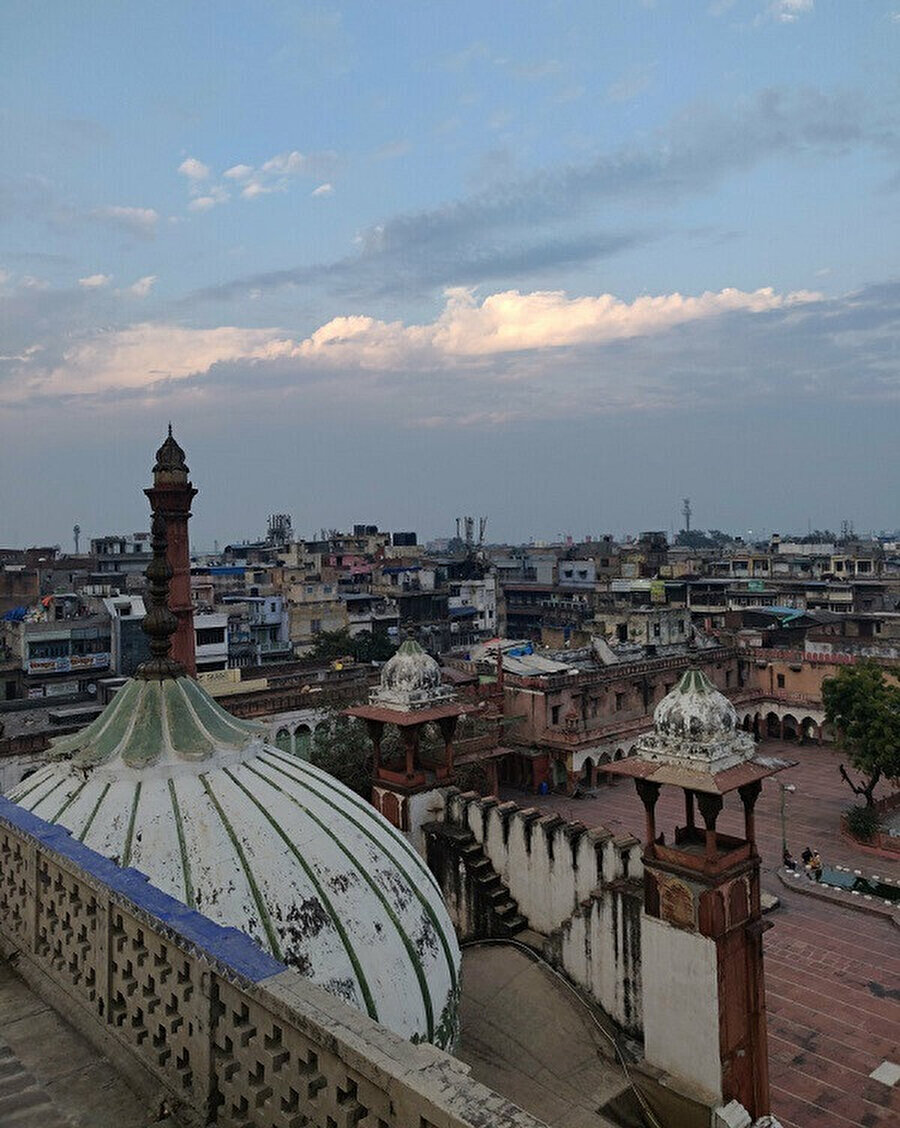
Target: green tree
(864, 708)
(341, 747)
(364, 647)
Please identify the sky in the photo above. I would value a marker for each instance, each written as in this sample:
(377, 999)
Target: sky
(557, 263)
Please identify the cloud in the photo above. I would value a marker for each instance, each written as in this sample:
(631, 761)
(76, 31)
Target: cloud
(208, 198)
(137, 358)
(322, 190)
(252, 181)
(466, 333)
(143, 286)
(194, 169)
(530, 216)
(137, 221)
(95, 281)
(789, 11)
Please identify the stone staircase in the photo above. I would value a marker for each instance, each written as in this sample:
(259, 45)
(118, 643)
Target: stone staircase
(500, 914)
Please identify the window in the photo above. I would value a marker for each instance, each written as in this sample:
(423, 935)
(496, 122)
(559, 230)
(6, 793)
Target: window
(727, 678)
(554, 714)
(315, 626)
(681, 626)
(210, 636)
(620, 701)
(656, 630)
(780, 680)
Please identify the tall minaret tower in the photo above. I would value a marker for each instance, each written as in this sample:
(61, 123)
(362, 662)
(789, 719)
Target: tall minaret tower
(171, 496)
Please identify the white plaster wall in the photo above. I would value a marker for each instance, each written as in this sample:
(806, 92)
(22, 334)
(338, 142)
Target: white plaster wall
(681, 1006)
(427, 806)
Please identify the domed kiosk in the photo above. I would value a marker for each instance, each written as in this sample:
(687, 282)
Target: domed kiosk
(702, 925)
(168, 782)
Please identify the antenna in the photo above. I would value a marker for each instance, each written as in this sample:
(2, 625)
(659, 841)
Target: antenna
(686, 510)
(76, 533)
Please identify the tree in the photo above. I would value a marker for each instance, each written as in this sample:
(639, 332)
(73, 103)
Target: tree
(341, 747)
(864, 708)
(363, 647)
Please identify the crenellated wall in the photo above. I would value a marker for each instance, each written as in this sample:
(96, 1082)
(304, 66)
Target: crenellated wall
(199, 1017)
(580, 888)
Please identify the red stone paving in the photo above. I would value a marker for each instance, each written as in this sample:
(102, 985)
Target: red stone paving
(832, 974)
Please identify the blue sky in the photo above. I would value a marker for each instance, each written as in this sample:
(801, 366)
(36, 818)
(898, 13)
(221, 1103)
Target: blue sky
(560, 263)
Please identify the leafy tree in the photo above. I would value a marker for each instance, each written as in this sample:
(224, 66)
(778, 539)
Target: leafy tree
(342, 748)
(865, 710)
(364, 647)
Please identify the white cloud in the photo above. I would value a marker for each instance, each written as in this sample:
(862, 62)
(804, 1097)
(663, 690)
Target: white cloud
(514, 322)
(238, 172)
(95, 281)
(140, 221)
(140, 357)
(467, 337)
(143, 286)
(322, 190)
(789, 11)
(194, 169)
(212, 195)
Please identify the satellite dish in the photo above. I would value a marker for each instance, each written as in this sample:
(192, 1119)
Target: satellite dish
(92, 689)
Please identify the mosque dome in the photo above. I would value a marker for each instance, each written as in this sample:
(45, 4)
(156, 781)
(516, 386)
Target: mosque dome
(411, 679)
(168, 782)
(696, 725)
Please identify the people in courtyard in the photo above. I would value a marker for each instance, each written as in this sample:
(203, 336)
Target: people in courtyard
(806, 856)
(815, 866)
(787, 859)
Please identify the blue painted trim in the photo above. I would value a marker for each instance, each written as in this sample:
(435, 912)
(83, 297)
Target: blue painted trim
(228, 946)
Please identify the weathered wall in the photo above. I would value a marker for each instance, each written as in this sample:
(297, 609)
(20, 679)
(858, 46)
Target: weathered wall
(200, 1016)
(580, 888)
(681, 1005)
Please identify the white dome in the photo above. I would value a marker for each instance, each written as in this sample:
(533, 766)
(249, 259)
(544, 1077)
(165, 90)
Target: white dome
(695, 725)
(168, 782)
(411, 679)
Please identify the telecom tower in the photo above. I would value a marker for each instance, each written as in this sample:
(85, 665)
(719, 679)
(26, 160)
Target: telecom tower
(686, 510)
(76, 533)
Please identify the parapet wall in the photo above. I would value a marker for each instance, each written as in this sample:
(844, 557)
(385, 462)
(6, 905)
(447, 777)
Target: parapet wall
(198, 1016)
(550, 865)
(580, 888)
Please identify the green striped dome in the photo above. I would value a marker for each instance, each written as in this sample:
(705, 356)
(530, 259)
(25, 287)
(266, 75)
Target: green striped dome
(165, 780)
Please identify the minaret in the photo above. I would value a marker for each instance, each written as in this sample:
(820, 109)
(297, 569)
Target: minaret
(170, 497)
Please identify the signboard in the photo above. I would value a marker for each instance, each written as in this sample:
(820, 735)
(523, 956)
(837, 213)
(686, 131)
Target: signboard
(68, 664)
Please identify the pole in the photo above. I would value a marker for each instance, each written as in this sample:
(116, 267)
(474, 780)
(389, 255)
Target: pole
(783, 824)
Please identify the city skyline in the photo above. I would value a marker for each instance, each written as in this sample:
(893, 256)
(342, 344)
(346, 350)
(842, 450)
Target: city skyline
(559, 264)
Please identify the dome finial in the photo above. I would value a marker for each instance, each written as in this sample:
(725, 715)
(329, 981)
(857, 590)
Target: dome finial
(159, 622)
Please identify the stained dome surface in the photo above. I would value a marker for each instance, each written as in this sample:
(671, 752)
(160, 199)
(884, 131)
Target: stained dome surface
(168, 782)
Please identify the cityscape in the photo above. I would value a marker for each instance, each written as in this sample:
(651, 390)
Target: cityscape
(400, 724)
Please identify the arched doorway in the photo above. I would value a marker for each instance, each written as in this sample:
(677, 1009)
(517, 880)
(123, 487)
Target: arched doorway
(302, 741)
(587, 773)
(283, 740)
(773, 726)
(790, 728)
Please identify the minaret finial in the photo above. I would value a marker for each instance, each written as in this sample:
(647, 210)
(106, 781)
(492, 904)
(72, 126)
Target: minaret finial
(170, 428)
(159, 622)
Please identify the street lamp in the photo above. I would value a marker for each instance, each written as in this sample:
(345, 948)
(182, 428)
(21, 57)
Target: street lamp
(785, 787)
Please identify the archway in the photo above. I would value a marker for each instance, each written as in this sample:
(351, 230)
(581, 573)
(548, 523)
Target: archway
(809, 731)
(773, 726)
(619, 754)
(757, 725)
(587, 773)
(283, 740)
(789, 723)
(746, 723)
(302, 741)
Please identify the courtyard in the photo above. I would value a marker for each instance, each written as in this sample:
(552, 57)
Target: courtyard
(832, 973)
